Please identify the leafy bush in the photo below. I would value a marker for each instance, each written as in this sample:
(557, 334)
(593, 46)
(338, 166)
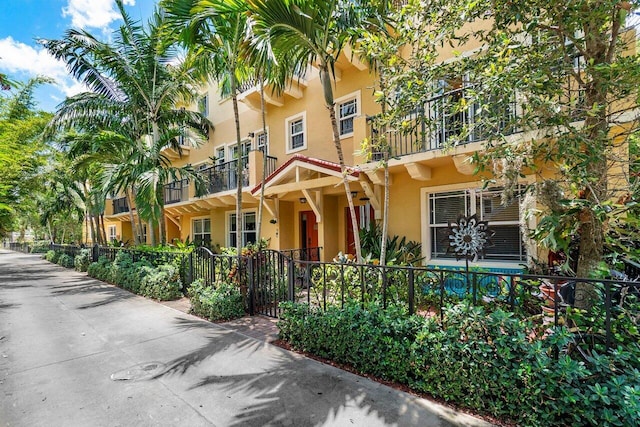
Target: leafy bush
(162, 283)
(82, 261)
(40, 247)
(51, 256)
(486, 361)
(223, 301)
(101, 270)
(65, 260)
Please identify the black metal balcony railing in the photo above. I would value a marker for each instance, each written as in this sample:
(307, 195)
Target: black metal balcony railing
(223, 176)
(176, 191)
(120, 205)
(442, 121)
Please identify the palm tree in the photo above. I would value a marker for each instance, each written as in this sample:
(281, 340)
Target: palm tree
(315, 32)
(215, 32)
(136, 90)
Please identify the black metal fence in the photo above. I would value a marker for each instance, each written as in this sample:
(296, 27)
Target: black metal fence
(71, 250)
(18, 247)
(550, 299)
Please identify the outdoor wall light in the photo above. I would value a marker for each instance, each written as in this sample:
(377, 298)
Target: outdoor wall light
(251, 134)
(303, 200)
(273, 221)
(354, 194)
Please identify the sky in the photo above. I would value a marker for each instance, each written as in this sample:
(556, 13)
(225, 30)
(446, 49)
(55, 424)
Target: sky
(23, 22)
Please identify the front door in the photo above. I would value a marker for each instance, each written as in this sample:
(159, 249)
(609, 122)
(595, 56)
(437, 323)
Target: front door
(309, 235)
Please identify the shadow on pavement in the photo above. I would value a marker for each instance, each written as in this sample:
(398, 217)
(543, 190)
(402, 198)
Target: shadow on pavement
(292, 390)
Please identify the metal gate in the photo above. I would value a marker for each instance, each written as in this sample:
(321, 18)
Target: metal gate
(271, 277)
(266, 278)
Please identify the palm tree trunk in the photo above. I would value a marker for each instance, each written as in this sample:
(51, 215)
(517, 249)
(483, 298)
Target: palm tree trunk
(264, 158)
(152, 233)
(236, 116)
(132, 220)
(325, 78)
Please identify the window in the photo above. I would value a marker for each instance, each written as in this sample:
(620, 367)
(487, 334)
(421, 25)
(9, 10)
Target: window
(504, 220)
(202, 232)
(347, 111)
(203, 105)
(112, 233)
(262, 142)
(248, 228)
(219, 155)
(296, 133)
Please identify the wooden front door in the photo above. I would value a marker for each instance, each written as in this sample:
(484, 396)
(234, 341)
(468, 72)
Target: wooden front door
(309, 234)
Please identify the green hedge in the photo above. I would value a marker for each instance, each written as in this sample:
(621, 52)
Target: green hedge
(484, 361)
(82, 261)
(65, 260)
(223, 301)
(162, 282)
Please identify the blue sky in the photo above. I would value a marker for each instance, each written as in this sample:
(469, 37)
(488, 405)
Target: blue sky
(22, 22)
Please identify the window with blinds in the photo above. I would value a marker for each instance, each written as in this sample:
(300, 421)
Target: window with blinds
(503, 219)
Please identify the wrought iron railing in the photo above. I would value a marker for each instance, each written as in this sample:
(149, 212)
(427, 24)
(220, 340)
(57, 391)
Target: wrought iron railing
(120, 205)
(222, 177)
(454, 117)
(176, 191)
(271, 165)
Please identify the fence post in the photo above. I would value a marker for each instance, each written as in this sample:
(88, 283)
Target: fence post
(95, 253)
(411, 291)
(607, 320)
(290, 278)
(250, 287)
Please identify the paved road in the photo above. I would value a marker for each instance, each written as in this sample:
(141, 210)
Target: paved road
(78, 352)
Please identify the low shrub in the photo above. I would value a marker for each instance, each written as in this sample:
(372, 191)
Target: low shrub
(223, 301)
(161, 283)
(82, 261)
(40, 247)
(65, 260)
(51, 256)
(101, 269)
(480, 360)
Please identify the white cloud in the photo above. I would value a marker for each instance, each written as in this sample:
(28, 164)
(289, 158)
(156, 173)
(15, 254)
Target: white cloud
(21, 59)
(93, 13)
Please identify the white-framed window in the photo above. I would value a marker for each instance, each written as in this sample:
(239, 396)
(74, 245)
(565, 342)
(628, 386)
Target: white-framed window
(203, 105)
(249, 220)
(113, 236)
(262, 142)
(220, 155)
(201, 228)
(296, 131)
(504, 219)
(347, 109)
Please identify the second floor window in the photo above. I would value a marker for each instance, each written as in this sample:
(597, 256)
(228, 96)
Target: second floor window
(347, 111)
(262, 142)
(296, 133)
(203, 105)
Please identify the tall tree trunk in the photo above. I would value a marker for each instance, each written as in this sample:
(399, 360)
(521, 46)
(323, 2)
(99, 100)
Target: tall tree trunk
(152, 233)
(134, 231)
(599, 49)
(264, 158)
(162, 229)
(325, 79)
(236, 116)
(385, 165)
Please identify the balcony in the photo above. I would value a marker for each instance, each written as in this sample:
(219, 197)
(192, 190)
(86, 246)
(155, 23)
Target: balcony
(223, 176)
(444, 122)
(120, 205)
(176, 191)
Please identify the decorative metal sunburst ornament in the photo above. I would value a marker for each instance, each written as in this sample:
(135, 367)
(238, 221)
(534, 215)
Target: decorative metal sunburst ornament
(468, 237)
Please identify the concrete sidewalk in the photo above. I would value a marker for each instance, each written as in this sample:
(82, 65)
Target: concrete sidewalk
(78, 352)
